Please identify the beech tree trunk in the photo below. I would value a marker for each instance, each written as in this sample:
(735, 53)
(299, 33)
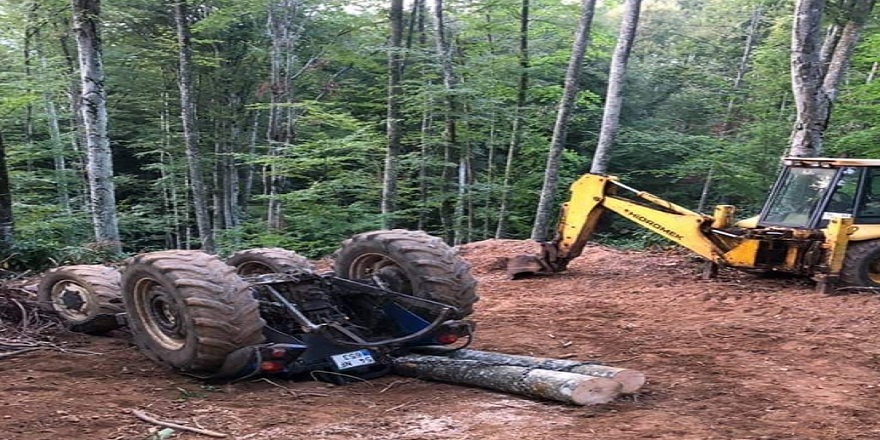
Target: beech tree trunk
(424, 156)
(614, 96)
(284, 33)
(806, 79)
(74, 96)
(190, 129)
(248, 171)
(534, 382)
(817, 68)
(743, 67)
(57, 149)
(563, 116)
(427, 119)
(393, 123)
(86, 15)
(6, 219)
(450, 141)
(516, 132)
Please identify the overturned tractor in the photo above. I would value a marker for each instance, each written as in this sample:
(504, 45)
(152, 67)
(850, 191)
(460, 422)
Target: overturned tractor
(392, 295)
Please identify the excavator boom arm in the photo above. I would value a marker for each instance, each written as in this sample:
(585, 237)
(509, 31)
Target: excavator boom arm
(591, 196)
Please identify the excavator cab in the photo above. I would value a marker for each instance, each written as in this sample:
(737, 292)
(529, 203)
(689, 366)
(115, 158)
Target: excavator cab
(811, 191)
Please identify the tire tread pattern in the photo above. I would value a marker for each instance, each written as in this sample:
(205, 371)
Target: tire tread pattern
(222, 310)
(436, 270)
(102, 283)
(279, 260)
(859, 256)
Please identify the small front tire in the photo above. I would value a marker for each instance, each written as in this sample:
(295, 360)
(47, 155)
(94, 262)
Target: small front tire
(83, 296)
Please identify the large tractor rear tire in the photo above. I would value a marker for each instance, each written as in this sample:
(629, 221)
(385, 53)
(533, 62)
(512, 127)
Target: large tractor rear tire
(410, 262)
(188, 309)
(85, 297)
(260, 261)
(861, 265)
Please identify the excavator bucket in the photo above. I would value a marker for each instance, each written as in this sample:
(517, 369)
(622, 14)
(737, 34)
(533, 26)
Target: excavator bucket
(522, 266)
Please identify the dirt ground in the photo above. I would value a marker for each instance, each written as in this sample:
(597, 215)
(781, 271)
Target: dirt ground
(738, 357)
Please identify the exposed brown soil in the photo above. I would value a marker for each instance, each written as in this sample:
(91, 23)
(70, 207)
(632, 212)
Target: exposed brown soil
(738, 357)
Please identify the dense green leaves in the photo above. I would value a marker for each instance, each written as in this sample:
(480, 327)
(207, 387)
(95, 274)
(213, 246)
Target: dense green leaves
(682, 116)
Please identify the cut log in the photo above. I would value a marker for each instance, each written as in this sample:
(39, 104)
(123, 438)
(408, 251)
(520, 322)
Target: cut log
(631, 380)
(533, 382)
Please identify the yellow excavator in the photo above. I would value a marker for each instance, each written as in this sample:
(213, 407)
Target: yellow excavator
(821, 220)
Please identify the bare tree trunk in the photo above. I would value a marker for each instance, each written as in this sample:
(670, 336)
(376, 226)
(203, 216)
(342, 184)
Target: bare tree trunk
(857, 16)
(427, 120)
(832, 37)
(86, 15)
(873, 73)
(450, 141)
(616, 76)
(743, 67)
(76, 123)
(218, 177)
(516, 135)
(806, 76)
(815, 86)
(704, 194)
(168, 184)
(190, 129)
(392, 122)
(29, 35)
(489, 196)
(6, 219)
(566, 106)
(56, 145)
(460, 202)
(57, 148)
(283, 34)
(232, 184)
(248, 184)
(416, 16)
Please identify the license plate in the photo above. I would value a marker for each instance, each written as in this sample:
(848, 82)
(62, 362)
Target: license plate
(353, 359)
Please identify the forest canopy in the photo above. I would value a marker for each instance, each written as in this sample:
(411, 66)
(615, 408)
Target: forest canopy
(282, 119)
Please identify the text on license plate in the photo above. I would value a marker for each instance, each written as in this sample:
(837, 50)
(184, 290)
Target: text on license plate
(353, 359)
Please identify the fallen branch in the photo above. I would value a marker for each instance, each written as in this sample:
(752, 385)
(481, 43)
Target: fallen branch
(24, 315)
(143, 416)
(18, 352)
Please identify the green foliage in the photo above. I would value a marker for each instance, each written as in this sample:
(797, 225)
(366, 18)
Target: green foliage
(682, 117)
(46, 238)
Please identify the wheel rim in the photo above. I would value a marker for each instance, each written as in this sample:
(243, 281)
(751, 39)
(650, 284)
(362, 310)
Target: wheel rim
(387, 272)
(160, 314)
(253, 268)
(71, 300)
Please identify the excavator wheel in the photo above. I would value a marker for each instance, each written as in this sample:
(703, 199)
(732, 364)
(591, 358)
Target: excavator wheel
(410, 262)
(861, 265)
(188, 309)
(86, 297)
(261, 261)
